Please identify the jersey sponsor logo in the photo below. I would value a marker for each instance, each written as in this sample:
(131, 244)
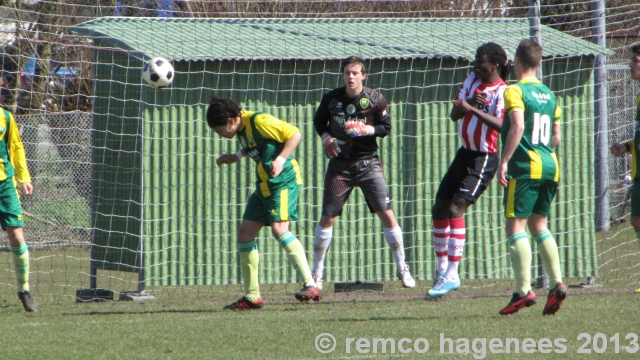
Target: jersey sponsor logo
(364, 103)
(351, 109)
(339, 120)
(542, 98)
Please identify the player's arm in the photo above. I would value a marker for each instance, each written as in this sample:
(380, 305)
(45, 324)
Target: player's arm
(491, 121)
(516, 119)
(556, 135)
(18, 156)
(230, 158)
(619, 149)
(321, 124)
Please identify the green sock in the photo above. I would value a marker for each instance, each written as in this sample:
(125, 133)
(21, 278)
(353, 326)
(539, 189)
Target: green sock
(520, 252)
(549, 253)
(249, 260)
(638, 236)
(21, 263)
(298, 259)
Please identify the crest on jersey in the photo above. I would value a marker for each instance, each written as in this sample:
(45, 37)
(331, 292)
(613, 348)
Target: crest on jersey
(364, 103)
(252, 142)
(351, 109)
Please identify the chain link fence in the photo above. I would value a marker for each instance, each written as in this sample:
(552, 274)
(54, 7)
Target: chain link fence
(58, 148)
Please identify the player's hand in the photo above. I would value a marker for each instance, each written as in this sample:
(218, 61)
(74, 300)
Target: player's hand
(356, 128)
(477, 99)
(462, 105)
(27, 189)
(331, 146)
(502, 174)
(226, 159)
(276, 166)
(618, 149)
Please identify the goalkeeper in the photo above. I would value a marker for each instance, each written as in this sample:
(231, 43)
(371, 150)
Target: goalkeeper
(14, 171)
(270, 143)
(349, 120)
(633, 146)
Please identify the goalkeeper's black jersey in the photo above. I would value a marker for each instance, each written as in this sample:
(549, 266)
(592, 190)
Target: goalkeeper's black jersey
(370, 107)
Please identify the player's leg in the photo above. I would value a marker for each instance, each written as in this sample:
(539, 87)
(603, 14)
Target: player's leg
(254, 218)
(11, 222)
(470, 174)
(284, 207)
(370, 179)
(339, 181)
(547, 246)
(441, 233)
(519, 198)
(635, 213)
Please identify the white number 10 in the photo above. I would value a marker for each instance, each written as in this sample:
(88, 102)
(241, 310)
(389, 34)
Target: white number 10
(541, 129)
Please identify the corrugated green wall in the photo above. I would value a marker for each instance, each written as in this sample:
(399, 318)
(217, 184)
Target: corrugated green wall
(186, 210)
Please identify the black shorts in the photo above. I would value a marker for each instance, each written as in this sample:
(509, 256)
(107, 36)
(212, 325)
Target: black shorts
(469, 175)
(344, 175)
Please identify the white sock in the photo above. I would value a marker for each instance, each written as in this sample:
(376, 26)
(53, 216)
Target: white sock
(321, 242)
(394, 239)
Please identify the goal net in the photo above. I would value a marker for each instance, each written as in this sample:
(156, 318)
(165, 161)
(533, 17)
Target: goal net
(128, 196)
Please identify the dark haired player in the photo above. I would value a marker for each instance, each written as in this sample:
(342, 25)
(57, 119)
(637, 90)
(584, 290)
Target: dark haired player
(270, 142)
(479, 108)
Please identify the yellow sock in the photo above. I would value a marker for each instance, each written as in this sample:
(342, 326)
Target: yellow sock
(296, 255)
(549, 253)
(249, 260)
(520, 251)
(21, 263)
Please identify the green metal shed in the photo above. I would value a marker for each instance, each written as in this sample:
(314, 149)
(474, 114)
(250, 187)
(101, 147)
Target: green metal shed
(161, 208)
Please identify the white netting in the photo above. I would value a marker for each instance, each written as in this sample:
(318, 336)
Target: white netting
(48, 75)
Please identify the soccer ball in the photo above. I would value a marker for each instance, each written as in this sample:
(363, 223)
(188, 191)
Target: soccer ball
(158, 72)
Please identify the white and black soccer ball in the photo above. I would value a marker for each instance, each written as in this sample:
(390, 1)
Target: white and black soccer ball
(158, 72)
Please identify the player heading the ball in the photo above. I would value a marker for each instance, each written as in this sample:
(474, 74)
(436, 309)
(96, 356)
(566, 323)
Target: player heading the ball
(270, 142)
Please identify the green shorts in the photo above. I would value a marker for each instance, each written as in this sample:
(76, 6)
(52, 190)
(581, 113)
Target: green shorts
(282, 205)
(522, 197)
(635, 199)
(10, 208)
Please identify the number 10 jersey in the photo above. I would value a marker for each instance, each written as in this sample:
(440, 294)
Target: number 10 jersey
(533, 158)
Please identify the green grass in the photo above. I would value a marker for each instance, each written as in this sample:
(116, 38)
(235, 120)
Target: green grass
(175, 329)
(187, 322)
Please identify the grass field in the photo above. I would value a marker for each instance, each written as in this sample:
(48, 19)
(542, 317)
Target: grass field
(194, 326)
(188, 322)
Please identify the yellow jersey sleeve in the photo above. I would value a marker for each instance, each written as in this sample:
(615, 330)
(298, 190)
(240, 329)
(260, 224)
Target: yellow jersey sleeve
(18, 157)
(273, 128)
(513, 99)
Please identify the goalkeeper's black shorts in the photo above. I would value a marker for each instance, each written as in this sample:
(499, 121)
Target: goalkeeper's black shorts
(344, 175)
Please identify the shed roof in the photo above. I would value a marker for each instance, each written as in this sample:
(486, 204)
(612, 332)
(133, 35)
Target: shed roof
(320, 38)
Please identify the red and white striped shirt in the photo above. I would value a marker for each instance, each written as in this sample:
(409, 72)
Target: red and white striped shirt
(476, 135)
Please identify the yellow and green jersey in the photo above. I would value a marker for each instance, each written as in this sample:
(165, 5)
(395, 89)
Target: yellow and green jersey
(533, 158)
(262, 138)
(13, 161)
(631, 145)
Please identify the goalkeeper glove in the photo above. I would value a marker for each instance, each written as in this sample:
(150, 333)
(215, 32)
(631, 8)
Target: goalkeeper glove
(331, 145)
(356, 128)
